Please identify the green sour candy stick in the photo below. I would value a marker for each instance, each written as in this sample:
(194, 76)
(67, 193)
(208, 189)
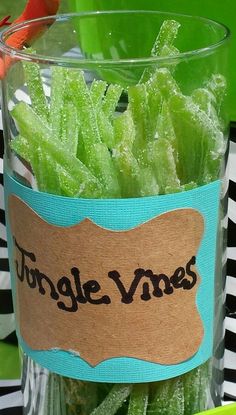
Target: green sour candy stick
(153, 110)
(80, 96)
(111, 99)
(35, 87)
(192, 390)
(200, 144)
(168, 398)
(58, 90)
(204, 98)
(81, 397)
(147, 183)
(124, 129)
(217, 84)
(128, 170)
(196, 384)
(138, 400)
(114, 400)
(163, 45)
(164, 82)
(169, 51)
(70, 127)
(38, 134)
(97, 92)
(47, 176)
(100, 163)
(138, 107)
(162, 158)
(207, 103)
(165, 125)
(40, 165)
(96, 156)
(167, 34)
(22, 147)
(105, 129)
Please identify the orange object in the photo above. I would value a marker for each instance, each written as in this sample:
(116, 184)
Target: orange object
(33, 9)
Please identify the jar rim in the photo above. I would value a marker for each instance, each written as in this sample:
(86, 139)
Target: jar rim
(83, 62)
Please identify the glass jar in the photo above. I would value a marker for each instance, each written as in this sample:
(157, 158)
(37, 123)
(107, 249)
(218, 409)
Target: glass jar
(116, 146)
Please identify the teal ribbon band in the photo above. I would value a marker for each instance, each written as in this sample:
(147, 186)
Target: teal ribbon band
(125, 214)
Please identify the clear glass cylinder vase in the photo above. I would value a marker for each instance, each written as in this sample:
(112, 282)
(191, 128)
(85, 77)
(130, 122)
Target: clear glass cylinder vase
(116, 146)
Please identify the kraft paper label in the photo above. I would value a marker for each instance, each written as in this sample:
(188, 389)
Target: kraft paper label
(114, 291)
(97, 286)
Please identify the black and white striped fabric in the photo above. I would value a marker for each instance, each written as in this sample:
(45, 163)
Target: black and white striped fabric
(10, 390)
(230, 321)
(10, 397)
(7, 322)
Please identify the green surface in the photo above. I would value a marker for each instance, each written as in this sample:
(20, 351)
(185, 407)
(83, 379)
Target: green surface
(10, 363)
(222, 11)
(225, 410)
(15, 8)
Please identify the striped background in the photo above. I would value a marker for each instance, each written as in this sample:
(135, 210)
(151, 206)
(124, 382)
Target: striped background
(230, 321)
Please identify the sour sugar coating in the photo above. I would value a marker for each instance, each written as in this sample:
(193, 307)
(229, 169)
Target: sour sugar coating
(58, 91)
(138, 402)
(163, 45)
(168, 398)
(114, 400)
(97, 92)
(31, 127)
(111, 99)
(138, 103)
(35, 87)
(161, 155)
(204, 150)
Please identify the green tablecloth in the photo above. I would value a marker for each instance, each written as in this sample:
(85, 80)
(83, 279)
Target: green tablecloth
(225, 410)
(10, 363)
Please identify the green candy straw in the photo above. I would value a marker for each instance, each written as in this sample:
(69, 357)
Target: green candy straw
(31, 127)
(114, 400)
(124, 129)
(163, 81)
(111, 99)
(192, 390)
(128, 169)
(81, 397)
(202, 153)
(106, 130)
(138, 400)
(153, 110)
(168, 398)
(70, 127)
(207, 103)
(163, 161)
(58, 90)
(80, 96)
(97, 92)
(163, 45)
(196, 384)
(217, 85)
(148, 184)
(35, 88)
(166, 36)
(100, 163)
(138, 104)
